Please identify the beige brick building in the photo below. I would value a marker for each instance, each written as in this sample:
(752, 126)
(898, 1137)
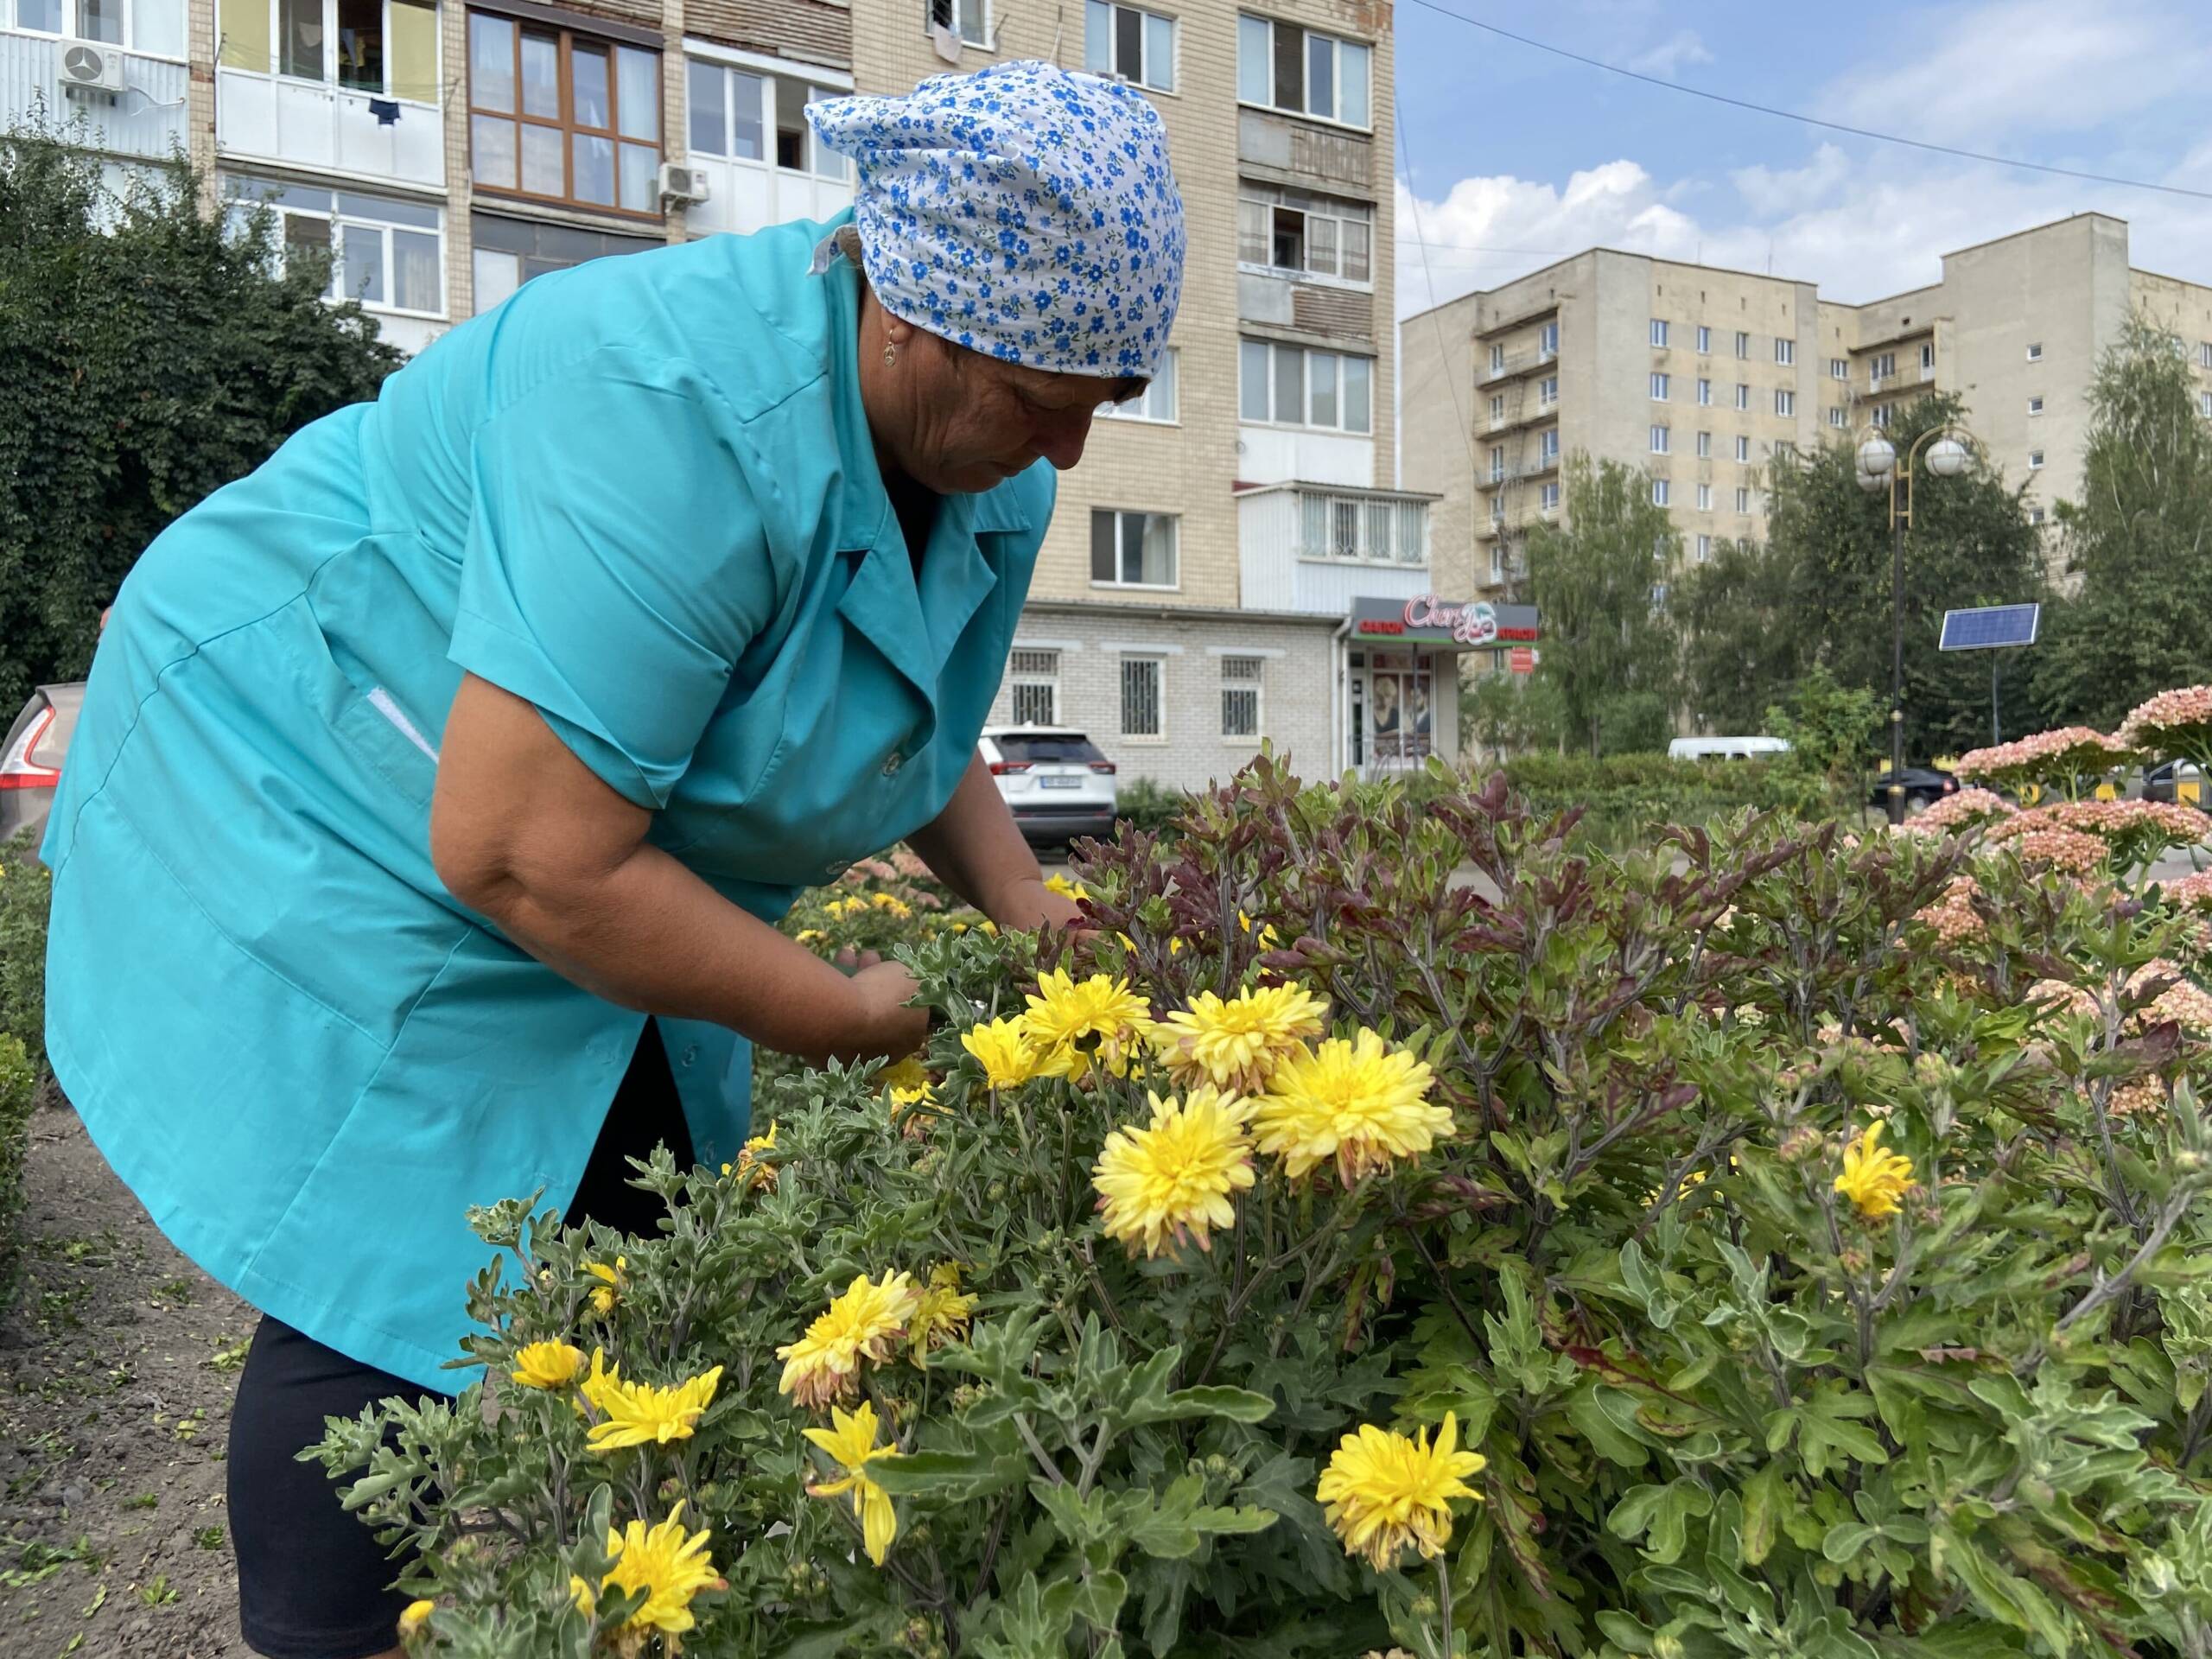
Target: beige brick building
(1230, 562)
(1698, 375)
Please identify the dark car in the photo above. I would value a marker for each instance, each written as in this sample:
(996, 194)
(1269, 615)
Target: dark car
(1923, 787)
(2176, 780)
(30, 760)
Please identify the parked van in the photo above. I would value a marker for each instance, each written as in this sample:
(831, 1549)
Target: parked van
(1726, 748)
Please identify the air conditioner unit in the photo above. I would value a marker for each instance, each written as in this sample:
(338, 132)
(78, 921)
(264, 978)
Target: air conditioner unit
(89, 66)
(679, 184)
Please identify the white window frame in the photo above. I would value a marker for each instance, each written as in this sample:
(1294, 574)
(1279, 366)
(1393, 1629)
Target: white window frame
(1498, 463)
(1704, 549)
(1496, 566)
(1743, 447)
(1548, 392)
(1265, 87)
(1274, 350)
(979, 10)
(1157, 404)
(1884, 367)
(72, 27)
(1705, 446)
(1547, 498)
(1839, 368)
(1660, 384)
(1785, 351)
(1705, 498)
(2204, 354)
(822, 162)
(328, 76)
(245, 193)
(1031, 675)
(1659, 332)
(2204, 404)
(1547, 340)
(2034, 515)
(2035, 408)
(1927, 356)
(1785, 402)
(1704, 340)
(1157, 662)
(2035, 461)
(1881, 414)
(1705, 391)
(1340, 213)
(1743, 344)
(1497, 408)
(2035, 351)
(1239, 684)
(1547, 445)
(1498, 359)
(1744, 499)
(1149, 73)
(1743, 395)
(1383, 531)
(1122, 516)
(1660, 440)
(1838, 417)
(1659, 492)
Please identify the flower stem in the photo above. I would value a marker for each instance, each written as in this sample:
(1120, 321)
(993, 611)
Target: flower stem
(1444, 1602)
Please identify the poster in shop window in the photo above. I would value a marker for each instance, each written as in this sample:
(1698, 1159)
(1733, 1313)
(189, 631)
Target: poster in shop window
(1400, 706)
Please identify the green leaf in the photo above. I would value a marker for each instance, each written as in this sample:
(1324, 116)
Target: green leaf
(1174, 1524)
(1765, 1495)
(1226, 1404)
(957, 1477)
(1606, 1417)
(1846, 1538)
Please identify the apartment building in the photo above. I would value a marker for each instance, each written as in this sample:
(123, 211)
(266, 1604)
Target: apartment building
(1228, 565)
(1699, 375)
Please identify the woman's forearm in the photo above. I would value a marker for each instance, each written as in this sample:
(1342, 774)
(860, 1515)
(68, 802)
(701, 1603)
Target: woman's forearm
(976, 849)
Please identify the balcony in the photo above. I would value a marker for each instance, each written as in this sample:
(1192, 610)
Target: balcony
(146, 119)
(1518, 363)
(1315, 548)
(310, 123)
(743, 196)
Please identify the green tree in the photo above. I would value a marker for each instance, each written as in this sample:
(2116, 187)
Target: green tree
(1832, 731)
(1970, 544)
(1609, 652)
(1744, 643)
(151, 357)
(2139, 539)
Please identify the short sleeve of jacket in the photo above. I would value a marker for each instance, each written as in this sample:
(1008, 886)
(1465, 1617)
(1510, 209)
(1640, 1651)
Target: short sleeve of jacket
(616, 565)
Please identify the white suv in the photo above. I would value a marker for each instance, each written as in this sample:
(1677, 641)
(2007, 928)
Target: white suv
(1057, 784)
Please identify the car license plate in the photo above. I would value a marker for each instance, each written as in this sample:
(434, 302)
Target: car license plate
(1060, 783)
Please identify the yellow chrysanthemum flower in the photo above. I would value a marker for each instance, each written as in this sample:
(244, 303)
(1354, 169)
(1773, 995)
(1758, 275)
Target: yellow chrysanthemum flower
(909, 1073)
(1383, 1491)
(547, 1364)
(1174, 1179)
(1074, 1028)
(602, 1299)
(638, 1414)
(1003, 1047)
(1235, 1043)
(850, 1441)
(413, 1617)
(603, 1377)
(941, 1316)
(581, 1597)
(899, 908)
(810, 935)
(867, 1322)
(754, 1173)
(1874, 1177)
(1361, 1103)
(668, 1564)
(1267, 938)
(1057, 883)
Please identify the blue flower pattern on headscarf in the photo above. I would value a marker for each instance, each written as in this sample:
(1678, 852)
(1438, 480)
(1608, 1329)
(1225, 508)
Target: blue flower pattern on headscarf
(1023, 211)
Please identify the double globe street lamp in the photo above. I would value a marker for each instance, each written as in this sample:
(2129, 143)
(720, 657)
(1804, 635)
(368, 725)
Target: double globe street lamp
(1949, 448)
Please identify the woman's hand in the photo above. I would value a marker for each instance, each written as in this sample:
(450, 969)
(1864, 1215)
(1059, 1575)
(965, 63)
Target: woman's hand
(883, 1025)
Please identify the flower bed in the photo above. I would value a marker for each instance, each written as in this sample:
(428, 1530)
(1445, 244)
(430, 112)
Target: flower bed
(1704, 1252)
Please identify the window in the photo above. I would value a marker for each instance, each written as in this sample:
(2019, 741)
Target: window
(1785, 351)
(1547, 445)
(510, 252)
(1289, 230)
(2034, 515)
(1497, 510)
(962, 18)
(1142, 703)
(2035, 352)
(1132, 550)
(1498, 359)
(1498, 463)
(735, 113)
(1839, 368)
(1704, 339)
(1705, 446)
(1659, 436)
(1928, 357)
(1743, 447)
(1547, 340)
(1290, 385)
(1658, 491)
(153, 27)
(1785, 401)
(1241, 680)
(1743, 396)
(2204, 354)
(1658, 595)
(1837, 418)
(1033, 686)
(387, 253)
(2035, 406)
(1882, 368)
(1548, 500)
(561, 117)
(1784, 450)
(1658, 331)
(1496, 566)
(1138, 46)
(2204, 404)
(1362, 528)
(2035, 461)
(1704, 390)
(1156, 402)
(1497, 408)
(1743, 345)
(384, 48)
(1548, 392)
(1704, 549)
(1882, 414)
(1659, 384)
(1287, 67)
(1705, 498)
(1743, 500)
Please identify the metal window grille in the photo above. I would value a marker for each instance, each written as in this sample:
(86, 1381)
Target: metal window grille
(1035, 687)
(1240, 696)
(1140, 696)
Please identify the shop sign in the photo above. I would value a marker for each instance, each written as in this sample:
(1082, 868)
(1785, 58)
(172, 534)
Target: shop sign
(1468, 624)
(1430, 619)
(1521, 659)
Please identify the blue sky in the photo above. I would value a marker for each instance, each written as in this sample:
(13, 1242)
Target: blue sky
(1519, 156)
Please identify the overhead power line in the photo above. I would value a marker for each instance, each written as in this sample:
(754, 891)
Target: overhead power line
(1808, 120)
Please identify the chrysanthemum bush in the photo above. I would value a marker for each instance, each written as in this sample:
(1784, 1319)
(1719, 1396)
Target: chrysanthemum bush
(1693, 1253)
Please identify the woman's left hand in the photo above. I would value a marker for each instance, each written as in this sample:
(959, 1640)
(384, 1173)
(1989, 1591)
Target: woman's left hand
(1028, 903)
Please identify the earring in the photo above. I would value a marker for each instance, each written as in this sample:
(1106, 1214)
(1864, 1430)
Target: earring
(890, 354)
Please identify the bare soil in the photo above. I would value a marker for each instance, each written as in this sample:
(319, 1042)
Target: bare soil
(118, 1363)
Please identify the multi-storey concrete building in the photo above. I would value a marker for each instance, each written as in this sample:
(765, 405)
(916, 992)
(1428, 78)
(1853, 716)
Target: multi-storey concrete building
(1699, 375)
(1229, 564)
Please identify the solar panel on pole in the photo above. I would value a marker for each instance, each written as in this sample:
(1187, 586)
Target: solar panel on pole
(1989, 626)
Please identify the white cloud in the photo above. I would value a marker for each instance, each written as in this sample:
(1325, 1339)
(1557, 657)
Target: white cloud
(1668, 58)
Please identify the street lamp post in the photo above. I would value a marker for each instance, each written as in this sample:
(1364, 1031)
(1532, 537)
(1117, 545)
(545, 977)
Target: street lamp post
(1949, 449)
